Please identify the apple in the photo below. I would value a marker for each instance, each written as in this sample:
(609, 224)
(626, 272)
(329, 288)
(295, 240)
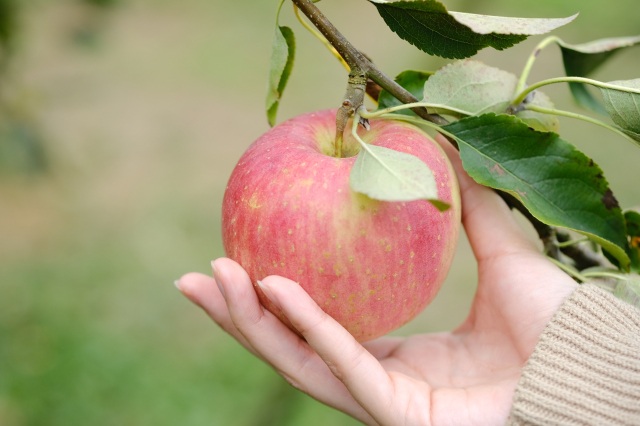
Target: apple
(372, 265)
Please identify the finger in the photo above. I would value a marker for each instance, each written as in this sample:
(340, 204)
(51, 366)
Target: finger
(349, 361)
(490, 225)
(277, 344)
(203, 291)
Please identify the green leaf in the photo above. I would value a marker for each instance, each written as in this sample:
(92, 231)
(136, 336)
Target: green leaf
(558, 184)
(412, 81)
(473, 88)
(282, 57)
(624, 107)
(388, 175)
(430, 27)
(281, 65)
(580, 60)
(487, 24)
(632, 219)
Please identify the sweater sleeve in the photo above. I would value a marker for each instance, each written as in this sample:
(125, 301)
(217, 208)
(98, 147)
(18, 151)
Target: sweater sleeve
(585, 369)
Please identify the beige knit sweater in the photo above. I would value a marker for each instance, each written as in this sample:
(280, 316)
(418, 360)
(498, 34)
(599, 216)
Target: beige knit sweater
(585, 369)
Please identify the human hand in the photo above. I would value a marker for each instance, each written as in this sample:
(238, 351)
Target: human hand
(466, 376)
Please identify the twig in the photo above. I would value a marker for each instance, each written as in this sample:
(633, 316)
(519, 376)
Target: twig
(357, 60)
(365, 68)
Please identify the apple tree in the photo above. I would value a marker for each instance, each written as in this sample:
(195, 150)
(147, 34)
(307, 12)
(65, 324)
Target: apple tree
(504, 126)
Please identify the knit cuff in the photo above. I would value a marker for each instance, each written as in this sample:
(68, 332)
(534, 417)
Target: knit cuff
(585, 369)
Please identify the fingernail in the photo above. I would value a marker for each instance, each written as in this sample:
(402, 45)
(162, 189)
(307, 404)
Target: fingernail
(216, 278)
(267, 292)
(177, 284)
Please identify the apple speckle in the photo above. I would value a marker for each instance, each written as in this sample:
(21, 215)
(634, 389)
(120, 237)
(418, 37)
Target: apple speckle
(337, 270)
(253, 202)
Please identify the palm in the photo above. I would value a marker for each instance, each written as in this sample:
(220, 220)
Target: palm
(477, 365)
(466, 376)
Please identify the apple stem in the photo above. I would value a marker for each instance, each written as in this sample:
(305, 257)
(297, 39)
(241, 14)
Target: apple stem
(353, 100)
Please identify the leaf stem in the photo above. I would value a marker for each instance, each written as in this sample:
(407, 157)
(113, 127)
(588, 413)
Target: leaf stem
(604, 274)
(569, 114)
(574, 273)
(571, 242)
(523, 94)
(522, 83)
(363, 144)
(412, 105)
(278, 11)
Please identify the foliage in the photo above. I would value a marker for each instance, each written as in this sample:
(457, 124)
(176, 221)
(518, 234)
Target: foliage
(506, 128)
(430, 27)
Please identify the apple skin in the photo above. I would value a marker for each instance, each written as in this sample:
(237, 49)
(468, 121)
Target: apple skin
(288, 210)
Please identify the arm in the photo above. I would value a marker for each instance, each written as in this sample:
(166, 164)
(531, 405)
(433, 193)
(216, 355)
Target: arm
(585, 368)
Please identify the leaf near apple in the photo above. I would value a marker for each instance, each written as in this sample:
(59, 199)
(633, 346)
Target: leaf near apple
(372, 265)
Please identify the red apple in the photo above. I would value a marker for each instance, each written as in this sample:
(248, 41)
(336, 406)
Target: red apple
(288, 210)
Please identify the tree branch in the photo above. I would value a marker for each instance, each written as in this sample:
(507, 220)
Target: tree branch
(362, 67)
(357, 60)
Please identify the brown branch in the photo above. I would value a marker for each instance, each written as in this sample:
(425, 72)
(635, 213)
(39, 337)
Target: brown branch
(358, 61)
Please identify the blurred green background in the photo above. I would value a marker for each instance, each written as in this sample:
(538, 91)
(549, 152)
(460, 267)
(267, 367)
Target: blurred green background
(120, 121)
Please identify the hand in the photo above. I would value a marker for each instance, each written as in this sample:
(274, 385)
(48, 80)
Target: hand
(464, 377)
